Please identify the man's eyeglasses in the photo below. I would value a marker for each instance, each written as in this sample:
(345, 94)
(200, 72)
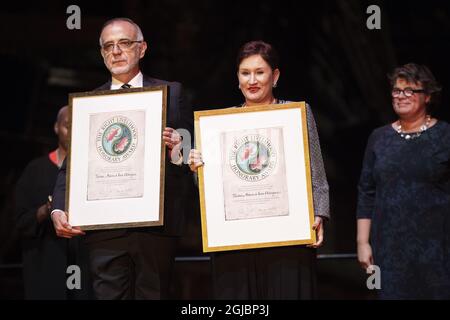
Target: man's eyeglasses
(408, 92)
(123, 45)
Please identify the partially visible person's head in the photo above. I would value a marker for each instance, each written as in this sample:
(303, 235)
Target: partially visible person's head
(62, 127)
(122, 46)
(258, 73)
(414, 89)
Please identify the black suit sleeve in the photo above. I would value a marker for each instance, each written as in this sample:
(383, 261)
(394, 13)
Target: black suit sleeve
(59, 193)
(186, 115)
(178, 182)
(179, 114)
(180, 117)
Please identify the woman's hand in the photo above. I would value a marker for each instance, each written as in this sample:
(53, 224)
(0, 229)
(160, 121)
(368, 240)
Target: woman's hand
(195, 160)
(365, 257)
(318, 227)
(364, 249)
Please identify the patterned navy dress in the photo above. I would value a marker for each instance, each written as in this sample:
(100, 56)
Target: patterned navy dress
(405, 189)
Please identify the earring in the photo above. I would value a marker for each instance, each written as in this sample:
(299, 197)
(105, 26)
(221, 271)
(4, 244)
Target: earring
(239, 86)
(274, 85)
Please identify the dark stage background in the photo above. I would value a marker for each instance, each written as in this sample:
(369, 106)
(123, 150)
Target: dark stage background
(328, 58)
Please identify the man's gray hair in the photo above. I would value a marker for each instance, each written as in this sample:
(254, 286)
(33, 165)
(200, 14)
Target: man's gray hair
(140, 36)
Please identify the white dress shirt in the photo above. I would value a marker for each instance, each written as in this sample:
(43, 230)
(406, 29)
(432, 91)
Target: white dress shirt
(136, 82)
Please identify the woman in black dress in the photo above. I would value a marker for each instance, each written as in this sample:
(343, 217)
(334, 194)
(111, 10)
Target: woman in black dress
(279, 272)
(404, 194)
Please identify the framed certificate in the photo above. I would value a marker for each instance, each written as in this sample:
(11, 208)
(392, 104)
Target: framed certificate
(115, 168)
(255, 185)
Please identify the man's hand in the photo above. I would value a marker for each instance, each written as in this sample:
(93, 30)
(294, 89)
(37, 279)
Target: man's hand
(318, 227)
(171, 138)
(63, 228)
(43, 212)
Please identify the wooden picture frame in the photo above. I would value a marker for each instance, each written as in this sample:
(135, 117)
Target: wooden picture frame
(116, 160)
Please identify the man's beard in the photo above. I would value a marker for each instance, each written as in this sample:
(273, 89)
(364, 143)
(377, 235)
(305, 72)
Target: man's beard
(122, 69)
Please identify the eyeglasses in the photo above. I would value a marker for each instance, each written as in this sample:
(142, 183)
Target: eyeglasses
(408, 92)
(123, 45)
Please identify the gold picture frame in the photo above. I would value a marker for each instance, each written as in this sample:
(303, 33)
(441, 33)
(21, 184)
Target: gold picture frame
(255, 185)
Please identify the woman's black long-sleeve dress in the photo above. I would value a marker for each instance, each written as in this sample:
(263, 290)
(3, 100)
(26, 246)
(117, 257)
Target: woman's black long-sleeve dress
(405, 190)
(278, 272)
(46, 256)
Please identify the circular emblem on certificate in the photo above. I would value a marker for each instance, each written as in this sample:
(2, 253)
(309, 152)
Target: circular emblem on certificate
(253, 158)
(118, 139)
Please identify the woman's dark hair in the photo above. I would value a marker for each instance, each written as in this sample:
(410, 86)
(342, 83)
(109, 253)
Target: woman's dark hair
(265, 50)
(416, 73)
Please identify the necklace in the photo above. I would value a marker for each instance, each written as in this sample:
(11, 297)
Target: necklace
(409, 136)
(274, 101)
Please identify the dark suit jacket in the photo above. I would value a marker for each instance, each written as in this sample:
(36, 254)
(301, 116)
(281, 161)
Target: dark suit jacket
(178, 181)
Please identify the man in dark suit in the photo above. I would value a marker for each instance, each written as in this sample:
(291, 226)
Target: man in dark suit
(134, 263)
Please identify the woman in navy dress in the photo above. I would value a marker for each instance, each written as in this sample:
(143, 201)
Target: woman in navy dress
(404, 194)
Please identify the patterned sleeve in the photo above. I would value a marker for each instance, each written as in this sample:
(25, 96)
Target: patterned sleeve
(318, 176)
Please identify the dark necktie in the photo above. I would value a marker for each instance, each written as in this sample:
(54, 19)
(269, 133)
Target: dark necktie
(126, 86)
